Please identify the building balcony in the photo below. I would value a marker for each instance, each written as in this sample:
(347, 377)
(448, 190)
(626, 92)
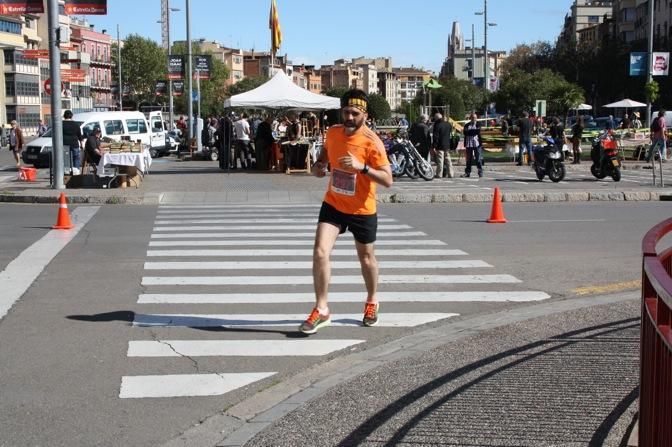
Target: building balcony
(101, 61)
(100, 85)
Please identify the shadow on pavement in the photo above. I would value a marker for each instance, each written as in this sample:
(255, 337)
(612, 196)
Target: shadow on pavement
(514, 357)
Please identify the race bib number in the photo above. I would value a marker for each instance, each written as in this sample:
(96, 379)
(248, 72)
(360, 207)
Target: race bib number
(343, 182)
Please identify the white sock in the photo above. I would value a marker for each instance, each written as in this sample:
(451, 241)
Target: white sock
(324, 311)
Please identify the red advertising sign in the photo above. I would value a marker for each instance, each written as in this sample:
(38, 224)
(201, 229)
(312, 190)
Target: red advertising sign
(36, 54)
(86, 7)
(18, 7)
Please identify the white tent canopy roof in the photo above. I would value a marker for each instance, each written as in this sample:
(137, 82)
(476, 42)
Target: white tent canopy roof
(584, 107)
(625, 103)
(281, 93)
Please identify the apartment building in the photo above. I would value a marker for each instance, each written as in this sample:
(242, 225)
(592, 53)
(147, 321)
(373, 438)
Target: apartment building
(232, 58)
(342, 74)
(312, 78)
(92, 52)
(257, 64)
(388, 86)
(624, 15)
(584, 14)
(662, 23)
(19, 77)
(410, 82)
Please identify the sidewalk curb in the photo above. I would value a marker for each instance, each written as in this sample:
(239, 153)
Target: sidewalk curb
(240, 423)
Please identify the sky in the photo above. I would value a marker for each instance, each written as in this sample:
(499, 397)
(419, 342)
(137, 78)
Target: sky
(317, 32)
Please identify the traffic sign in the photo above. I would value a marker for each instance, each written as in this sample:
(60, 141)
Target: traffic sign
(47, 86)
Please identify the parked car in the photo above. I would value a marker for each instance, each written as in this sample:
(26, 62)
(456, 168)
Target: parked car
(114, 125)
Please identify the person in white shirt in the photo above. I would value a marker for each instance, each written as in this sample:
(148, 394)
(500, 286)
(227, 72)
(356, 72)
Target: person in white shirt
(242, 129)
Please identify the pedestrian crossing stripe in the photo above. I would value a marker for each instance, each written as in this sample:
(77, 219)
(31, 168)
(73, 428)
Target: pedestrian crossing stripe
(231, 215)
(237, 348)
(308, 234)
(308, 280)
(249, 221)
(342, 297)
(293, 265)
(244, 206)
(281, 320)
(251, 230)
(309, 242)
(300, 252)
(186, 385)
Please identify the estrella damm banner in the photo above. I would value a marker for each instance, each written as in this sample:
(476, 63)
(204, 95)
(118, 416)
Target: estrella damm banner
(18, 7)
(86, 7)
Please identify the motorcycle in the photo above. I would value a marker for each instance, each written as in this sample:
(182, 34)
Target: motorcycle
(604, 154)
(405, 159)
(549, 160)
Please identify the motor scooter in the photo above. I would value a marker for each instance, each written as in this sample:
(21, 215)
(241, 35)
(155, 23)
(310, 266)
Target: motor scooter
(604, 154)
(549, 160)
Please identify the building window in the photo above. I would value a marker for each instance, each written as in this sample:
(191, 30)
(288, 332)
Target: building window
(10, 27)
(593, 19)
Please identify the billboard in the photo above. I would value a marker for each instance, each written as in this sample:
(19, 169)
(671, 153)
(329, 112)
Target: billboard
(175, 67)
(178, 88)
(161, 88)
(202, 65)
(638, 64)
(18, 7)
(86, 7)
(660, 64)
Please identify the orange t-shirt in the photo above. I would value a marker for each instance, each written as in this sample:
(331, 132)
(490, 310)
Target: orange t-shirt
(352, 192)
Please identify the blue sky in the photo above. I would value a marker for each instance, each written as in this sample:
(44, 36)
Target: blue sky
(317, 32)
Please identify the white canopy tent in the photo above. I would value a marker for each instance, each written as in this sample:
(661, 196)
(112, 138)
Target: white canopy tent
(625, 104)
(281, 93)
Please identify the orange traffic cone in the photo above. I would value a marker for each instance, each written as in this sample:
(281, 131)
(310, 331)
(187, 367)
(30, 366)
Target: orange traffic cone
(497, 213)
(63, 219)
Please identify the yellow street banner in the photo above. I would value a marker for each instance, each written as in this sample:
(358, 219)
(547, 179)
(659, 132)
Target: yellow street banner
(274, 25)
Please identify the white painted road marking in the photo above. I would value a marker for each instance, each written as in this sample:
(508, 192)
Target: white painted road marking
(345, 279)
(281, 320)
(247, 221)
(341, 297)
(260, 228)
(290, 242)
(308, 234)
(294, 265)
(186, 385)
(298, 252)
(242, 348)
(25, 268)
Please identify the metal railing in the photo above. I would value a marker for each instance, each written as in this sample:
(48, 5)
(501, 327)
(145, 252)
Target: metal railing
(655, 386)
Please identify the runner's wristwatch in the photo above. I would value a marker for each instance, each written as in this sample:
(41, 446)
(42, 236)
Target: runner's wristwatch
(365, 169)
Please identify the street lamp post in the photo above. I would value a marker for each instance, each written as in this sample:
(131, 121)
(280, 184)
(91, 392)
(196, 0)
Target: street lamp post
(121, 85)
(650, 60)
(486, 58)
(190, 102)
(166, 19)
(473, 54)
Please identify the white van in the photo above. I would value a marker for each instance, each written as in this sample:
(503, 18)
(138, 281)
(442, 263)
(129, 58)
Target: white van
(113, 125)
(668, 118)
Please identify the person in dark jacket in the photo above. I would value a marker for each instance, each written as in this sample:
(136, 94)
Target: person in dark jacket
(72, 138)
(441, 145)
(525, 125)
(419, 136)
(263, 143)
(224, 139)
(557, 132)
(472, 143)
(577, 134)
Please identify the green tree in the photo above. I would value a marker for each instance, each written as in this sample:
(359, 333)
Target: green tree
(335, 92)
(458, 96)
(245, 85)
(379, 108)
(143, 62)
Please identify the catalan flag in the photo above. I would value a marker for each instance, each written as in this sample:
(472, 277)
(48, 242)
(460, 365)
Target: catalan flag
(274, 25)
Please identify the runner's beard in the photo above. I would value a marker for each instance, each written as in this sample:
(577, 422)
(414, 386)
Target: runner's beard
(350, 126)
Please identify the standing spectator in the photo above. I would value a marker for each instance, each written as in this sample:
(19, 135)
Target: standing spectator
(577, 134)
(472, 143)
(2, 136)
(524, 125)
(636, 123)
(659, 135)
(92, 147)
(419, 136)
(441, 144)
(505, 125)
(358, 165)
(242, 128)
(224, 140)
(557, 132)
(72, 138)
(263, 143)
(626, 124)
(181, 124)
(41, 128)
(610, 123)
(16, 142)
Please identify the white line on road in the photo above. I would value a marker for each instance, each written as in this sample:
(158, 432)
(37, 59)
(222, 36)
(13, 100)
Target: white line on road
(186, 385)
(240, 348)
(247, 221)
(557, 220)
(243, 206)
(301, 252)
(309, 242)
(308, 234)
(224, 215)
(291, 265)
(281, 320)
(345, 279)
(342, 297)
(252, 229)
(25, 268)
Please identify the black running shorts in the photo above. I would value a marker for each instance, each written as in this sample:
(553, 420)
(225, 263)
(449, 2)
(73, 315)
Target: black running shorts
(362, 226)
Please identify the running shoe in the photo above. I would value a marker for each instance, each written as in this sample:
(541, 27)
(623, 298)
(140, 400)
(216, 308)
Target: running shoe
(370, 314)
(315, 322)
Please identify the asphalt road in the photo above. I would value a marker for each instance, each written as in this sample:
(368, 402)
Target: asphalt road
(65, 343)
